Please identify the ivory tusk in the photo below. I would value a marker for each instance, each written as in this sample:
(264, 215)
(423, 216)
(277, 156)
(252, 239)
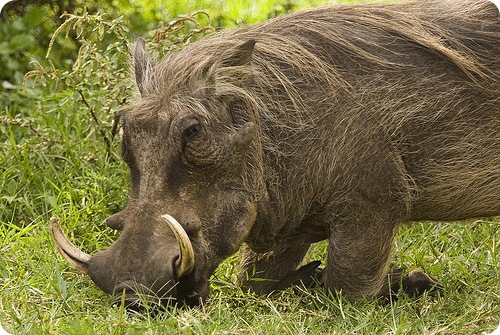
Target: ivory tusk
(77, 258)
(185, 263)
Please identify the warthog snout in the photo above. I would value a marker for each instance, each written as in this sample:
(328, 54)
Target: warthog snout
(120, 271)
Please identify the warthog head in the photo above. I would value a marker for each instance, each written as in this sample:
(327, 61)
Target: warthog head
(190, 204)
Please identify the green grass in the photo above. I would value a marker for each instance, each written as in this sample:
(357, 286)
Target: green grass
(41, 294)
(53, 162)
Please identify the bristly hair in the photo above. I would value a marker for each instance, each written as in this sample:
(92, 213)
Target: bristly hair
(394, 73)
(321, 47)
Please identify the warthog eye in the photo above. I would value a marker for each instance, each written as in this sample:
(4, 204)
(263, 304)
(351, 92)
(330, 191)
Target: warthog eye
(189, 133)
(192, 131)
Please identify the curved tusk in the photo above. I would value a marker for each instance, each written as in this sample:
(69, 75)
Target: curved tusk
(185, 263)
(72, 254)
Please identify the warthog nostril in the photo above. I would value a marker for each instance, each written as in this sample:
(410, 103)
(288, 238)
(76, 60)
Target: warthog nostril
(126, 295)
(138, 302)
(192, 294)
(134, 296)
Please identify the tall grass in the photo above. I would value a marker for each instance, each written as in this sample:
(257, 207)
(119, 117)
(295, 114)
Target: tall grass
(54, 162)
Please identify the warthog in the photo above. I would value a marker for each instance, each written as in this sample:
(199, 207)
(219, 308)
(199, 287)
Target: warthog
(335, 123)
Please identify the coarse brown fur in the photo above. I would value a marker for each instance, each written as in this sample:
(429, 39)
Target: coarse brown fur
(339, 123)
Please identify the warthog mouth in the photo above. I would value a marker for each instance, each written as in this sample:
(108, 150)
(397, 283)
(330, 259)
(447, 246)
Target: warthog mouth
(132, 293)
(134, 296)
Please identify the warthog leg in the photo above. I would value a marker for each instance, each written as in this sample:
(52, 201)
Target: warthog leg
(276, 270)
(358, 263)
(359, 253)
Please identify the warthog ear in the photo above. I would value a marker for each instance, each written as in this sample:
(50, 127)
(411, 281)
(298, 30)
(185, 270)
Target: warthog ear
(238, 55)
(143, 63)
(228, 71)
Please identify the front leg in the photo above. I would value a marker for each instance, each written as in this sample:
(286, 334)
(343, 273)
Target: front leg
(265, 273)
(358, 257)
(358, 263)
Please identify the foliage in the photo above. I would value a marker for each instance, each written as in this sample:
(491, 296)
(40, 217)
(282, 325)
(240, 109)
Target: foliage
(86, 106)
(26, 28)
(25, 33)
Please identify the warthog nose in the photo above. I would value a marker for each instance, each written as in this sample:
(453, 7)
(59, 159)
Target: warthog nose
(126, 285)
(124, 290)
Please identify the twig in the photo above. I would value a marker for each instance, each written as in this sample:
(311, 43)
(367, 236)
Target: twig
(24, 124)
(116, 120)
(96, 120)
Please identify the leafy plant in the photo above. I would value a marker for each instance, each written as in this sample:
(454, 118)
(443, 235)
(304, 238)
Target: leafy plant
(105, 51)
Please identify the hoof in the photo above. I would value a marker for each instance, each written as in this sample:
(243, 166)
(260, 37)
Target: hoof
(417, 282)
(306, 276)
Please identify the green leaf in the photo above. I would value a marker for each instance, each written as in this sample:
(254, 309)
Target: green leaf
(4, 48)
(35, 16)
(9, 199)
(12, 186)
(22, 41)
(101, 32)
